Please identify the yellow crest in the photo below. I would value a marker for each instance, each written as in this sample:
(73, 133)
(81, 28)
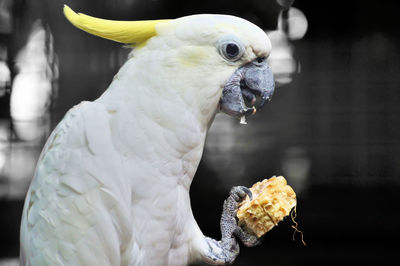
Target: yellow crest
(128, 32)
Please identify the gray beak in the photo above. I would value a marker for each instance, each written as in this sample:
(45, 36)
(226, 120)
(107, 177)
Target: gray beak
(248, 82)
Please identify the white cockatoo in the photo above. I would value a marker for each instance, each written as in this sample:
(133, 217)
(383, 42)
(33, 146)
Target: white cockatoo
(112, 183)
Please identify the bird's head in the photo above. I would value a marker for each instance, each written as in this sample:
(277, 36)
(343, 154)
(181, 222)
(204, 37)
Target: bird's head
(213, 62)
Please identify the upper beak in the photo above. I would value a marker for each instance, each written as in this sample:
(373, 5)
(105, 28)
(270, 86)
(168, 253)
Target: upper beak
(250, 81)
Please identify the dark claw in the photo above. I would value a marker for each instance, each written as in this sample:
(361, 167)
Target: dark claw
(236, 197)
(247, 191)
(239, 192)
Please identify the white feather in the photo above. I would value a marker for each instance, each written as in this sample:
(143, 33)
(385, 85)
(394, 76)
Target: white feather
(112, 184)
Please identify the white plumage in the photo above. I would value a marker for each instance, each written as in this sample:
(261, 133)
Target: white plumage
(112, 184)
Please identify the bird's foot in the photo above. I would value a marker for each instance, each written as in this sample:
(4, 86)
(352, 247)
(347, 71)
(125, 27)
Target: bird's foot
(229, 223)
(225, 251)
(249, 240)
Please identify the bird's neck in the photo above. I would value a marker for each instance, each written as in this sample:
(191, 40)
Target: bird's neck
(154, 123)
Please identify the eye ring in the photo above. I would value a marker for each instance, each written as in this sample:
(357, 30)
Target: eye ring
(231, 50)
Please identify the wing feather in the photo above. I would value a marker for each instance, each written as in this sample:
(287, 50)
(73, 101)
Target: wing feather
(76, 208)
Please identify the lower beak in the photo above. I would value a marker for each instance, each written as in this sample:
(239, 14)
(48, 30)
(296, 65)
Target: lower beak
(249, 82)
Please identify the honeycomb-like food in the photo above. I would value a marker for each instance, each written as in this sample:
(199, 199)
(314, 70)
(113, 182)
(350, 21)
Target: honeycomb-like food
(272, 201)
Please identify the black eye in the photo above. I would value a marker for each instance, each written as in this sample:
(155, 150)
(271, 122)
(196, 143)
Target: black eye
(231, 50)
(260, 60)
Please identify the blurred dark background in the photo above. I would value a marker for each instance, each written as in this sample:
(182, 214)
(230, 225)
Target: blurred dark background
(332, 128)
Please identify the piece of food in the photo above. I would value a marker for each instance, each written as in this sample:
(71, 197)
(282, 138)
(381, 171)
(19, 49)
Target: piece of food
(243, 120)
(272, 201)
